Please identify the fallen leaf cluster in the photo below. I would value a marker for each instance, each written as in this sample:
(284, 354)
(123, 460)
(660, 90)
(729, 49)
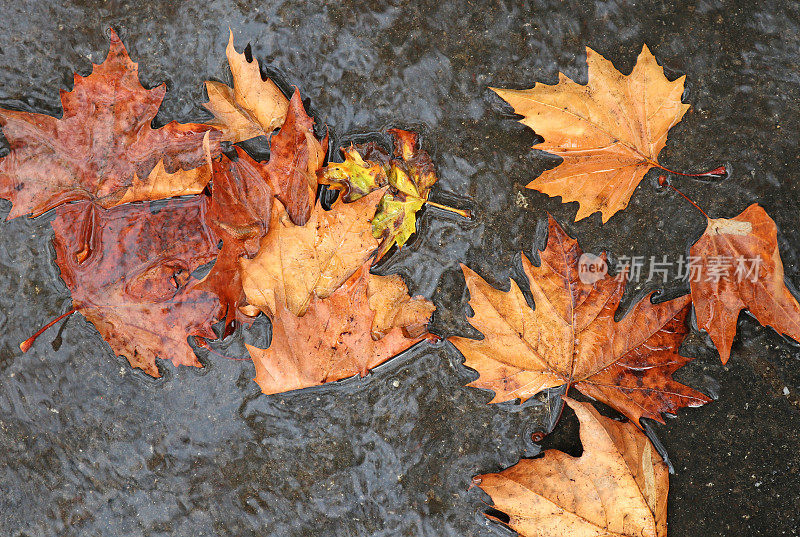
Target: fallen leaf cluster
(608, 134)
(162, 233)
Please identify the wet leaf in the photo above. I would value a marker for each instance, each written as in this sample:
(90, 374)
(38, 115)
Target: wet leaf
(572, 338)
(395, 308)
(396, 219)
(253, 107)
(355, 177)
(161, 184)
(129, 270)
(242, 200)
(609, 132)
(296, 263)
(340, 336)
(103, 148)
(616, 488)
(239, 214)
(410, 174)
(295, 157)
(740, 268)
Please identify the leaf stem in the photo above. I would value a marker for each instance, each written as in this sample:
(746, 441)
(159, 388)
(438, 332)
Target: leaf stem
(461, 212)
(539, 435)
(718, 172)
(662, 180)
(26, 345)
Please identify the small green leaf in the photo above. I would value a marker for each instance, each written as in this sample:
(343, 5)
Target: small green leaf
(354, 177)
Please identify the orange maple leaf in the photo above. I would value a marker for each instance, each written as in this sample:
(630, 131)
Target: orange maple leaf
(609, 132)
(745, 247)
(296, 263)
(103, 148)
(617, 488)
(253, 107)
(348, 333)
(572, 338)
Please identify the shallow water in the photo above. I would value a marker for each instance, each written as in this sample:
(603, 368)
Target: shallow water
(90, 447)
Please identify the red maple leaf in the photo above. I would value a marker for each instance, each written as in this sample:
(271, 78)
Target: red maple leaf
(101, 146)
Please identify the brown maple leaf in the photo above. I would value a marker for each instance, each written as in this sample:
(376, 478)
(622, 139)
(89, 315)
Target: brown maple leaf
(295, 157)
(616, 488)
(572, 338)
(343, 335)
(296, 263)
(609, 132)
(134, 281)
(253, 107)
(102, 147)
(395, 308)
(239, 214)
(748, 275)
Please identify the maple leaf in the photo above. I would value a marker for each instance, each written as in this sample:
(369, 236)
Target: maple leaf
(395, 308)
(572, 338)
(750, 241)
(410, 174)
(339, 336)
(134, 282)
(161, 184)
(296, 263)
(239, 214)
(242, 200)
(253, 107)
(616, 488)
(103, 148)
(609, 132)
(295, 157)
(356, 177)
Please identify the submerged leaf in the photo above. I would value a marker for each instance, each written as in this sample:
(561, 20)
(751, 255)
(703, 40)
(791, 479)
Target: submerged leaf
(355, 177)
(295, 157)
(238, 215)
(129, 270)
(409, 173)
